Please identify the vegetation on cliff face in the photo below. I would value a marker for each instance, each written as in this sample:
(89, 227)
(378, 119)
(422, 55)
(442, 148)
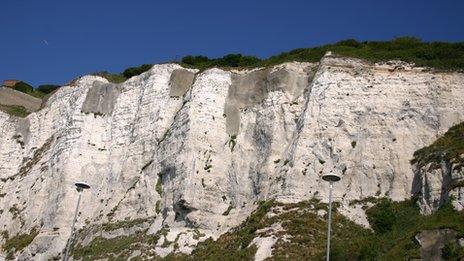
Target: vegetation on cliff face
(18, 242)
(300, 229)
(303, 233)
(447, 148)
(440, 55)
(15, 110)
(120, 246)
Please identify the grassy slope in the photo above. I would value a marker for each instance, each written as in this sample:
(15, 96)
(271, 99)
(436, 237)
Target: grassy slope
(350, 241)
(449, 147)
(395, 225)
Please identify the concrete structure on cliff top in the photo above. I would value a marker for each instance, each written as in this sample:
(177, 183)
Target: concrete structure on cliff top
(9, 83)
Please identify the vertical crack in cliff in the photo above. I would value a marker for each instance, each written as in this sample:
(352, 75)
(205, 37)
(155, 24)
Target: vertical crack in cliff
(175, 118)
(301, 118)
(262, 138)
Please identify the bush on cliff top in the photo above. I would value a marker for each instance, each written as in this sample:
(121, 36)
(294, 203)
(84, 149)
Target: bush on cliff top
(440, 55)
(230, 60)
(47, 88)
(28, 89)
(126, 74)
(23, 87)
(133, 71)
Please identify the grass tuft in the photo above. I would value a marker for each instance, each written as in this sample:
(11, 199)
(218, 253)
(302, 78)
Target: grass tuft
(15, 110)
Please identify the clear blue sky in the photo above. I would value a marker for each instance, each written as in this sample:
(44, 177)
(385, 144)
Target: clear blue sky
(45, 41)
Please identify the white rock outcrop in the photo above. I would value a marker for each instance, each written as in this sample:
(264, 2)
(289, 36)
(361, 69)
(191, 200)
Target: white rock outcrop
(196, 160)
(436, 186)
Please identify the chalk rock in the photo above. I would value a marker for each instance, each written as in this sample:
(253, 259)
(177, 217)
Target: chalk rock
(194, 159)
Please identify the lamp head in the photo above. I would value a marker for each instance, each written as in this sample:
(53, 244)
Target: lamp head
(331, 177)
(80, 186)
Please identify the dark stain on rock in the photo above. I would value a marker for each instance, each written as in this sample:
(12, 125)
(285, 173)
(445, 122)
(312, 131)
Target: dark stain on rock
(101, 98)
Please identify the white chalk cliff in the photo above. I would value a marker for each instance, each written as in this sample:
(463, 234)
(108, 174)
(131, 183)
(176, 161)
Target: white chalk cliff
(191, 153)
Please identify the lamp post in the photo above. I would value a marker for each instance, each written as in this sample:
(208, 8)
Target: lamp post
(80, 186)
(331, 178)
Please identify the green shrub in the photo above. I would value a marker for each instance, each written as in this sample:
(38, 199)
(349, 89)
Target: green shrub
(133, 71)
(195, 60)
(28, 89)
(19, 242)
(47, 88)
(452, 251)
(122, 224)
(237, 60)
(23, 87)
(126, 74)
(405, 43)
(305, 233)
(101, 247)
(349, 42)
(159, 184)
(395, 226)
(382, 217)
(440, 55)
(229, 60)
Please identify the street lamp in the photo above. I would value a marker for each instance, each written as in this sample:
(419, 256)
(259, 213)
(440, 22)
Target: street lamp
(331, 178)
(80, 186)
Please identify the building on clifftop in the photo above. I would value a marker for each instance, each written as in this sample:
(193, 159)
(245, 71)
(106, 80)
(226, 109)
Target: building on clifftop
(10, 83)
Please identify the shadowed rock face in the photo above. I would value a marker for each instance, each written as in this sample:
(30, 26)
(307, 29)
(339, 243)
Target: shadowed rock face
(286, 80)
(250, 89)
(180, 82)
(437, 186)
(101, 98)
(245, 91)
(432, 242)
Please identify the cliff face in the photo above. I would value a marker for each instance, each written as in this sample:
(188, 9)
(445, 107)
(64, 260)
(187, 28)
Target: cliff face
(186, 155)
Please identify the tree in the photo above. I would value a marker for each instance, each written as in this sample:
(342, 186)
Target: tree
(47, 88)
(382, 217)
(133, 71)
(23, 87)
